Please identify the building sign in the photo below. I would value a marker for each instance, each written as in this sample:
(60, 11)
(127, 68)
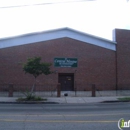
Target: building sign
(65, 62)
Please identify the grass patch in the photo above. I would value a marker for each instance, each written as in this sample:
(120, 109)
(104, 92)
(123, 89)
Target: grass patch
(29, 96)
(32, 98)
(124, 99)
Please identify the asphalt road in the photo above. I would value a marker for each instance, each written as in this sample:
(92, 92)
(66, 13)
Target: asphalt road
(99, 116)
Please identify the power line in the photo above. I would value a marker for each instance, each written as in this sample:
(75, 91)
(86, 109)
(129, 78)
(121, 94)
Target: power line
(16, 6)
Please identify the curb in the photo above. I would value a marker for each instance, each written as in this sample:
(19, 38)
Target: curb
(26, 102)
(113, 101)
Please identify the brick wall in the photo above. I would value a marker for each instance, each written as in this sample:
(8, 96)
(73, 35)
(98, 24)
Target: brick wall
(123, 57)
(96, 65)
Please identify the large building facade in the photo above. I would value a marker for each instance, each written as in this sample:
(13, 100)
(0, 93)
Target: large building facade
(78, 59)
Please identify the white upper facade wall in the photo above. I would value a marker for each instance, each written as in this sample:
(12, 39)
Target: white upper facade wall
(55, 34)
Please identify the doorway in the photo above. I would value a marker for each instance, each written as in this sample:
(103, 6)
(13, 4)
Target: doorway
(67, 81)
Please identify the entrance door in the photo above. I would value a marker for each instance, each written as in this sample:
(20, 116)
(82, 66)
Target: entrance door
(67, 82)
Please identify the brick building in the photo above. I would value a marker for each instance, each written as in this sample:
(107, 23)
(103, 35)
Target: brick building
(78, 59)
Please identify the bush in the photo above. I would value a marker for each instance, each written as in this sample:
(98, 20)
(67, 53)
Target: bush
(30, 97)
(33, 98)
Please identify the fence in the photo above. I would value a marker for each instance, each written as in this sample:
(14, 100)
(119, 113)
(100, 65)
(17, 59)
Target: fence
(80, 90)
(103, 90)
(19, 90)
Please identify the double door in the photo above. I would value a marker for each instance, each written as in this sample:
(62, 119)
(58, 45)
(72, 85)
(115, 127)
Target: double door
(67, 82)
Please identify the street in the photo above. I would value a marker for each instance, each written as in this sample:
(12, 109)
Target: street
(98, 116)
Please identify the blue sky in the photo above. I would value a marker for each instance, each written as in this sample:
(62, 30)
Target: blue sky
(96, 17)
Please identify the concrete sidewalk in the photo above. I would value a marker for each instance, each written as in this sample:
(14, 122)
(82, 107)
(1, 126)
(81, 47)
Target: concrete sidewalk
(66, 99)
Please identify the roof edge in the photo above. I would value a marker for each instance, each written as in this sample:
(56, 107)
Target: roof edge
(46, 31)
(55, 34)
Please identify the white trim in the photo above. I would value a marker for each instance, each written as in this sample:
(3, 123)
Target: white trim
(55, 34)
(114, 35)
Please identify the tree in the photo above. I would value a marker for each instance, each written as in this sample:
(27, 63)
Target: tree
(35, 67)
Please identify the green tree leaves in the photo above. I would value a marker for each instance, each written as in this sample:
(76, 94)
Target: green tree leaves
(35, 67)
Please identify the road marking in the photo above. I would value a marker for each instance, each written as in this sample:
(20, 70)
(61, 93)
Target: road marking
(62, 121)
(59, 121)
(71, 115)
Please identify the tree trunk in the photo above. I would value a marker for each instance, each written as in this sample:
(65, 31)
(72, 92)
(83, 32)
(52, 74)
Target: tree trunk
(33, 87)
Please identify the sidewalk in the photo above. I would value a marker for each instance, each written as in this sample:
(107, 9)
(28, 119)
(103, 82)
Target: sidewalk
(65, 99)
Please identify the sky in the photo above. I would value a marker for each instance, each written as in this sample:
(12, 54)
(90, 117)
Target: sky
(96, 17)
